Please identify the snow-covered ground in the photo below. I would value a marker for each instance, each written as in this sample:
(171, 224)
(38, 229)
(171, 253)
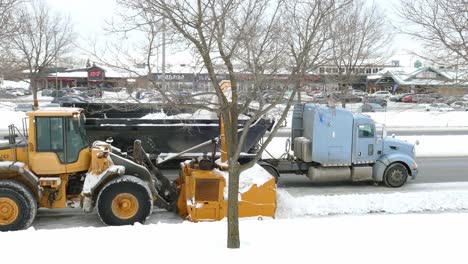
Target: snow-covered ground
(317, 228)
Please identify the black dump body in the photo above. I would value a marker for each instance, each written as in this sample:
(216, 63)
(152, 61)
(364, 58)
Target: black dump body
(166, 135)
(124, 110)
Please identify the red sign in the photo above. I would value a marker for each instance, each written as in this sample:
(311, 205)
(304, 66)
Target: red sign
(95, 74)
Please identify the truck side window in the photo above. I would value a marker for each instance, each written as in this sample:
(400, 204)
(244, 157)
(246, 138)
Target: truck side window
(50, 135)
(366, 131)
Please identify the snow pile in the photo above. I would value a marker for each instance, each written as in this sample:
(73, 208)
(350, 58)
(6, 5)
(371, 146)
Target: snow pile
(15, 84)
(256, 175)
(394, 203)
(198, 114)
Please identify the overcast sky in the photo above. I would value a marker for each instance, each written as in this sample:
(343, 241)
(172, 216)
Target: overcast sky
(89, 16)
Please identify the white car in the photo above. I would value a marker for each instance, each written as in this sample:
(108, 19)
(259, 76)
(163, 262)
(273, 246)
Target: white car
(440, 107)
(358, 92)
(460, 105)
(382, 94)
(465, 97)
(16, 92)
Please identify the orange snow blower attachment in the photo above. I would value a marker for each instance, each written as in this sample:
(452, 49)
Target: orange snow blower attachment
(203, 189)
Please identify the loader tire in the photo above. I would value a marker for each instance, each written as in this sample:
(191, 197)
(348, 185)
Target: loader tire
(124, 201)
(18, 207)
(395, 175)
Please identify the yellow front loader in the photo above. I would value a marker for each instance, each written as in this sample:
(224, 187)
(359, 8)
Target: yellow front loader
(50, 165)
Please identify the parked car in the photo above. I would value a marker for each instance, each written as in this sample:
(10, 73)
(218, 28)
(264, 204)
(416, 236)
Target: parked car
(398, 97)
(440, 107)
(381, 94)
(15, 92)
(465, 97)
(46, 92)
(24, 107)
(58, 93)
(370, 107)
(51, 105)
(358, 92)
(407, 98)
(61, 100)
(5, 94)
(375, 100)
(422, 99)
(460, 105)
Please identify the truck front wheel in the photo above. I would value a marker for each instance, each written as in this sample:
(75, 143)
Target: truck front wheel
(124, 201)
(395, 175)
(18, 207)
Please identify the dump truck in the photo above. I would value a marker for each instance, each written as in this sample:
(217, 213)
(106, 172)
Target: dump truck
(49, 164)
(332, 144)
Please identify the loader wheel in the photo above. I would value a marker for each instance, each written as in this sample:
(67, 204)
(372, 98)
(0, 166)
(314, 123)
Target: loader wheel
(18, 207)
(395, 175)
(124, 201)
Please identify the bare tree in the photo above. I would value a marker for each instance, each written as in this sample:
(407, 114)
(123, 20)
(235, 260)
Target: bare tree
(441, 26)
(359, 37)
(6, 17)
(40, 39)
(309, 36)
(231, 38)
(7, 8)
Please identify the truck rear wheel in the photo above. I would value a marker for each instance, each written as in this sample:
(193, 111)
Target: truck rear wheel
(18, 207)
(395, 175)
(124, 201)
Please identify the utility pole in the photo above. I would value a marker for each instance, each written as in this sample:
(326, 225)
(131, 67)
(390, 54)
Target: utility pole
(56, 70)
(163, 56)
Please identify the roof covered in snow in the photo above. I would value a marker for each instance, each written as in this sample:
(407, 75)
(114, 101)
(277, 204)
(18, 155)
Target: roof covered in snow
(422, 76)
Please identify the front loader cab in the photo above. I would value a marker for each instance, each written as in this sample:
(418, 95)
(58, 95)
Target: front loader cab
(57, 141)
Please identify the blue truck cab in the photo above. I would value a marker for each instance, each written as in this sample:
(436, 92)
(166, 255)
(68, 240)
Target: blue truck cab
(335, 144)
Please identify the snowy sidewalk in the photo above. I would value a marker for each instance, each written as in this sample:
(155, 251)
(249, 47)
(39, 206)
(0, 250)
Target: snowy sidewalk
(414, 198)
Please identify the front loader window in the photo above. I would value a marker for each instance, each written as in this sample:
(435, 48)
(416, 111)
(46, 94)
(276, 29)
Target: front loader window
(76, 138)
(50, 136)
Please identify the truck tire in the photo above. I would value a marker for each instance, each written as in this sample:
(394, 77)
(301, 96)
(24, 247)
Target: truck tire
(18, 207)
(124, 201)
(395, 175)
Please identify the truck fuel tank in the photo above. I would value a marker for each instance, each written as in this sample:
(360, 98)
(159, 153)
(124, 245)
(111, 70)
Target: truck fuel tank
(331, 174)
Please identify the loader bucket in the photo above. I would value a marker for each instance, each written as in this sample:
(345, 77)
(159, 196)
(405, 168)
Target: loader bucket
(203, 193)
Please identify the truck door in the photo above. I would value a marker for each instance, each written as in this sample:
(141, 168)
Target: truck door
(365, 145)
(48, 153)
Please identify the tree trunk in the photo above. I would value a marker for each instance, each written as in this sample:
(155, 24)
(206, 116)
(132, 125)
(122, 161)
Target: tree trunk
(233, 240)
